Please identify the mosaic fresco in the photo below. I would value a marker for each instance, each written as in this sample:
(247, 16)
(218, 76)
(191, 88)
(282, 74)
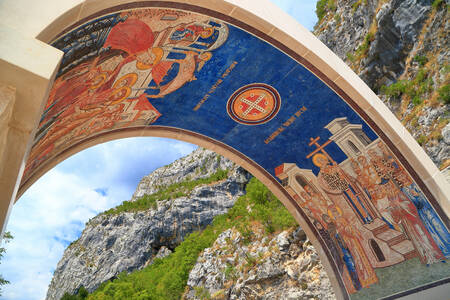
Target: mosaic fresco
(165, 67)
(367, 208)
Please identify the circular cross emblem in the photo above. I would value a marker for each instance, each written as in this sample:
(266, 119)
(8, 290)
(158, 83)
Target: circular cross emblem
(254, 104)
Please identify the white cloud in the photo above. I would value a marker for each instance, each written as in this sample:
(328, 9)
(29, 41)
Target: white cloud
(44, 221)
(52, 213)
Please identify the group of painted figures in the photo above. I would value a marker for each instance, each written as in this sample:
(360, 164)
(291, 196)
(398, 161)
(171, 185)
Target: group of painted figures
(376, 186)
(113, 89)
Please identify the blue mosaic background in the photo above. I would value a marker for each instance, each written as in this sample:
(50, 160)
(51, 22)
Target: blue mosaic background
(259, 62)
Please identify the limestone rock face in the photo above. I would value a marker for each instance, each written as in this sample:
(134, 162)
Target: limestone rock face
(397, 25)
(387, 41)
(199, 164)
(282, 266)
(128, 241)
(343, 30)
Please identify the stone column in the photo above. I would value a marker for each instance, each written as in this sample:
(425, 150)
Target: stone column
(27, 69)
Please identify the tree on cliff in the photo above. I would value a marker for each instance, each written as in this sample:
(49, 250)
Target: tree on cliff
(6, 238)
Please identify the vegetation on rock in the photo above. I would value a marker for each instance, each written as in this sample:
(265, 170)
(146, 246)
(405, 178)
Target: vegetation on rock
(166, 278)
(444, 94)
(402, 56)
(414, 89)
(173, 191)
(358, 3)
(437, 3)
(82, 294)
(323, 7)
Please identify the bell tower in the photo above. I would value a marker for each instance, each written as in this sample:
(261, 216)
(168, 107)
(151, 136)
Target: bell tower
(349, 137)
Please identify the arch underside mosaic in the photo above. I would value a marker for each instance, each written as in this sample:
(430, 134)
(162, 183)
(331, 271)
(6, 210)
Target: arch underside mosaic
(168, 68)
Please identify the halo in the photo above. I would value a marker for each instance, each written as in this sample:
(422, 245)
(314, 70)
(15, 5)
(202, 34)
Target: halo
(205, 56)
(100, 79)
(207, 32)
(132, 77)
(116, 91)
(318, 159)
(158, 52)
(141, 66)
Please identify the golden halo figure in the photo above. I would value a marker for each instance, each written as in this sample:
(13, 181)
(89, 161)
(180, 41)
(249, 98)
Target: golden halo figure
(205, 56)
(141, 66)
(157, 53)
(98, 81)
(126, 80)
(207, 32)
(119, 94)
(320, 160)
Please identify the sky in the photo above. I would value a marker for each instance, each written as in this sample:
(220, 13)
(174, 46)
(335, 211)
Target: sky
(52, 213)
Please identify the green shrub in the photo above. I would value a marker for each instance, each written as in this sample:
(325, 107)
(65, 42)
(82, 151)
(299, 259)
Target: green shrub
(267, 209)
(202, 293)
(337, 18)
(444, 94)
(414, 88)
(332, 5)
(230, 272)
(364, 47)
(416, 100)
(323, 7)
(7, 237)
(437, 3)
(421, 140)
(68, 296)
(394, 90)
(321, 10)
(356, 5)
(351, 57)
(421, 59)
(81, 295)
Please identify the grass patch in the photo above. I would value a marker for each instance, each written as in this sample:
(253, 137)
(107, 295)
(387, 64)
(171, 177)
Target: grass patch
(202, 293)
(362, 50)
(357, 4)
(230, 272)
(437, 3)
(414, 89)
(421, 140)
(421, 59)
(323, 7)
(337, 18)
(444, 94)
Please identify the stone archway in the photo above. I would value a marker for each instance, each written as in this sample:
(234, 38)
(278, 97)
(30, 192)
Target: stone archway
(279, 104)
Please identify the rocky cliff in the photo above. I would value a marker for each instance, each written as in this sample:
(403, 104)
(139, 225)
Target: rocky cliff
(279, 266)
(129, 239)
(400, 48)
